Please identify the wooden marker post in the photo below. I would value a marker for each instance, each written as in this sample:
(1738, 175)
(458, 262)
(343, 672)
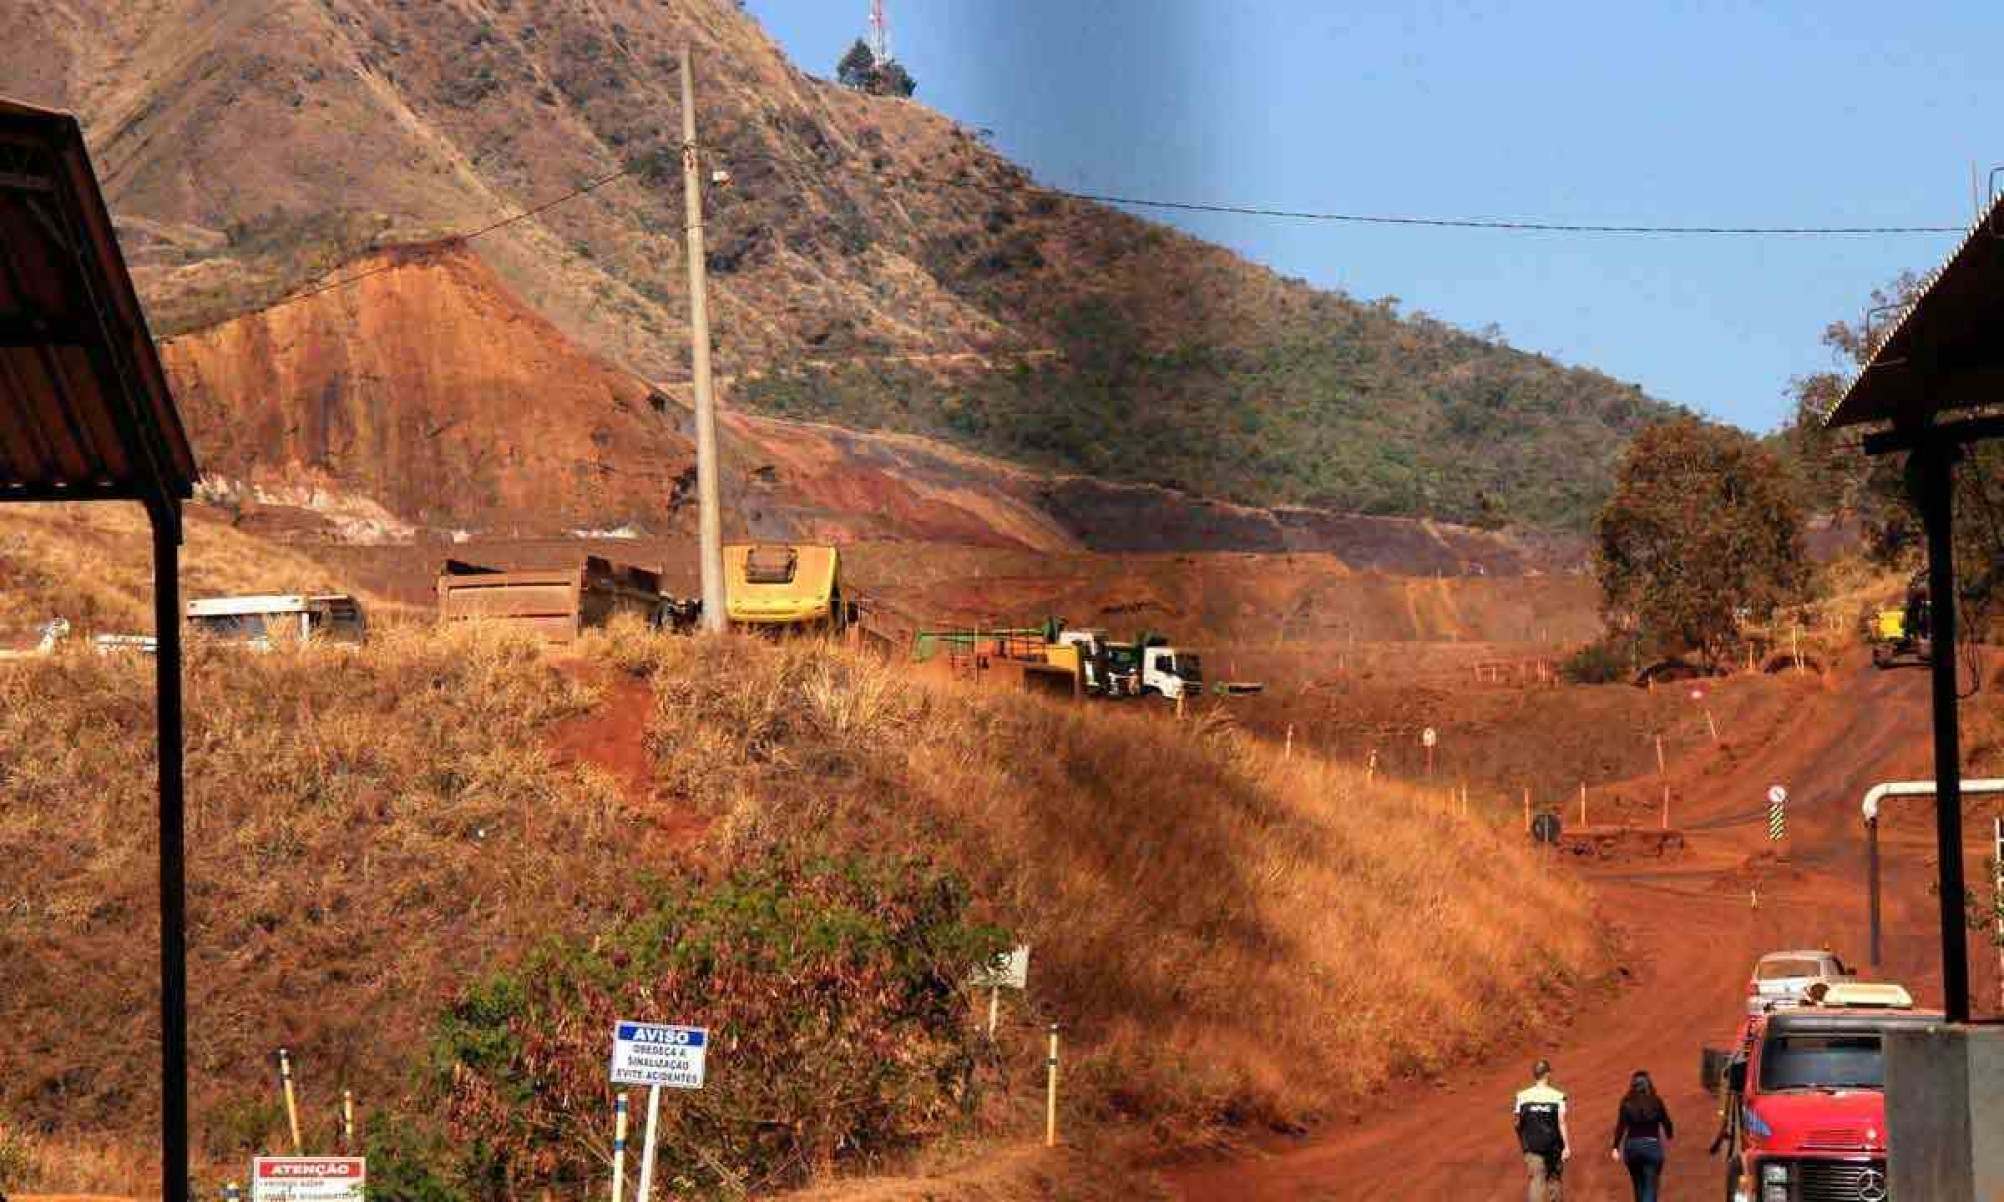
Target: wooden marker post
(619, 1148)
(1663, 774)
(291, 1101)
(347, 1120)
(1051, 1092)
(1527, 809)
(1582, 803)
(1288, 754)
(994, 1009)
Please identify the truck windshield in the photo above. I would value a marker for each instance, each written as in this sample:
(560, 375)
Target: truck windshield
(245, 627)
(1782, 970)
(1822, 1061)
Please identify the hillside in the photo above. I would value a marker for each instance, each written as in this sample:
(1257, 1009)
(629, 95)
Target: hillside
(429, 866)
(873, 264)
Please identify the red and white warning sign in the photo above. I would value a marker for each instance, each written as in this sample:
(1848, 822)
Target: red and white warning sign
(308, 1178)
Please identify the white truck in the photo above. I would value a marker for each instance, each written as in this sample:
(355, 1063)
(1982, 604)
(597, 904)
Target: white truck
(1171, 672)
(260, 621)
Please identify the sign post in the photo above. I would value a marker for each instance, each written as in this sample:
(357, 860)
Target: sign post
(1009, 970)
(1428, 738)
(619, 1148)
(1777, 814)
(654, 1055)
(309, 1178)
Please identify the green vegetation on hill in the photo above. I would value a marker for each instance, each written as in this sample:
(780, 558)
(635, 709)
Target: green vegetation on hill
(1353, 407)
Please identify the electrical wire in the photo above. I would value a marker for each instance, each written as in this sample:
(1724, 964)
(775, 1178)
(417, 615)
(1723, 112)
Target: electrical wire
(1018, 188)
(1244, 210)
(469, 236)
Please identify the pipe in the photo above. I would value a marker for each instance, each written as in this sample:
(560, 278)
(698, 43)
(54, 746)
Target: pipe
(1875, 798)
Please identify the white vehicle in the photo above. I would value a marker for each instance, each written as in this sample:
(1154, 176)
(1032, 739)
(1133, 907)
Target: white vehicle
(1171, 672)
(1782, 980)
(1105, 675)
(260, 621)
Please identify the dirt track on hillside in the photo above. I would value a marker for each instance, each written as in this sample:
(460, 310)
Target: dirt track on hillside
(1689, 933)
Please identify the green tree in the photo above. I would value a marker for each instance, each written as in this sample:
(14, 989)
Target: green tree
(858, 67)
(1703, 532)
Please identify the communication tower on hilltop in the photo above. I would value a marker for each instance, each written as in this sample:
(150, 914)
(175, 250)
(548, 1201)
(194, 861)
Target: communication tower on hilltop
(880, 32)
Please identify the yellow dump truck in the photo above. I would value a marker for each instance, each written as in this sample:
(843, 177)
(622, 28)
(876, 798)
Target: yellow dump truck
(783, 587)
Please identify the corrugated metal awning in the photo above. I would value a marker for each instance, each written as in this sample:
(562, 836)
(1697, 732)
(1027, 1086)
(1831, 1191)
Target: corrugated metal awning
(1945, 351)
(85, 413)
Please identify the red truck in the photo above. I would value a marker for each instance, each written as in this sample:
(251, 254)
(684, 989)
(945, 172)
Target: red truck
(1805, 1104)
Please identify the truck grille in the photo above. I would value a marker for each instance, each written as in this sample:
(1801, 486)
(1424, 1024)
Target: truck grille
(1827, 1181)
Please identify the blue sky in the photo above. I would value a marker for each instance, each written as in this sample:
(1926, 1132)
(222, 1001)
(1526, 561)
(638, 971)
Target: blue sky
(1701, 112)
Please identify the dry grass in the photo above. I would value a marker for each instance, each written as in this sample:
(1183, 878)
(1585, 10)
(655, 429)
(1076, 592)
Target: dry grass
(1229, 936)
(366, 831)
(92, 564)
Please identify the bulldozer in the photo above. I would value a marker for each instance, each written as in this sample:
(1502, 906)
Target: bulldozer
(1903, 634)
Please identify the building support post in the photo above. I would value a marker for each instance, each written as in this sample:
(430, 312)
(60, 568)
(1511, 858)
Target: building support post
(1931, 475)
(166, 516)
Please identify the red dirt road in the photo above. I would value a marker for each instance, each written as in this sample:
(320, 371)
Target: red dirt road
(1690, 933)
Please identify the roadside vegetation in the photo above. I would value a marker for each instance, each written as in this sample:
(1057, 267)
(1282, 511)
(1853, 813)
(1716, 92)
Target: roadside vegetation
(395, 875)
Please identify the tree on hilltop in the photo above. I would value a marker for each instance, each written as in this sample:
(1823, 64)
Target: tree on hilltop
(1702, 532)
(861, 70)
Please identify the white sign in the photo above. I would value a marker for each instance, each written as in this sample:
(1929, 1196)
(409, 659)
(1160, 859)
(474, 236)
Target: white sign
(1009, 970)
(1777, 795)
(1428, 738)
(652, 1054)
(308, 1178)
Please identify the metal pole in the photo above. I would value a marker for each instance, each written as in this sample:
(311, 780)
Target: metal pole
(1997, 901)
(1872, 869)
(647, 1148)
(619, 1148)
(166, 518)
(709, 515)
(1933, 466)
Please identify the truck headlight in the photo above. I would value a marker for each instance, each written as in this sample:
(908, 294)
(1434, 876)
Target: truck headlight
(1774, 1183)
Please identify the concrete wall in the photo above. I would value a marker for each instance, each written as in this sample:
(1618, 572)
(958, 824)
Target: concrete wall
(1945, 1114)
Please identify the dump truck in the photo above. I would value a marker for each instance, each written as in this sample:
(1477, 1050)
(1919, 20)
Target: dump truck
(262, 620)
(557, 604)
(1023, 658)
(786, 588)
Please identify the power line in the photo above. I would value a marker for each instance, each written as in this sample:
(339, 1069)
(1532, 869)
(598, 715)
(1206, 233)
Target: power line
(1188, 206)
(1473, 223)
(483, 231)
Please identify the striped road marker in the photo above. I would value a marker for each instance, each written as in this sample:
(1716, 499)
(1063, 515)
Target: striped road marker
(1777, 814)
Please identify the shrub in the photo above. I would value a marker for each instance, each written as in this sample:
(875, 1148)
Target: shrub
(1603, 661)
(834, 992)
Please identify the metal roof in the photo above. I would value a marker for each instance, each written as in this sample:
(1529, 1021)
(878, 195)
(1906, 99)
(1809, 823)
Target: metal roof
(85, 413)
(1946, 350)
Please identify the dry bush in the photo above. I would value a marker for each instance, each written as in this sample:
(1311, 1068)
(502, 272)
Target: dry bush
(1231, 936)
(367, 831)
(92, 564)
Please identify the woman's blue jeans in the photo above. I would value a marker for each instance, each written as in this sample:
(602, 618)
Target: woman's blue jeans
(1644, 1158)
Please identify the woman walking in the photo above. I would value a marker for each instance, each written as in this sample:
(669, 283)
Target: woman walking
(1642, 1134)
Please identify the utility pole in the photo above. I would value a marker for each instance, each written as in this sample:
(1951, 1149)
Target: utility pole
(709, 514)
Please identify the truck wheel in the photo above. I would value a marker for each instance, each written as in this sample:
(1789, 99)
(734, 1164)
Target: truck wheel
(1733, 1172)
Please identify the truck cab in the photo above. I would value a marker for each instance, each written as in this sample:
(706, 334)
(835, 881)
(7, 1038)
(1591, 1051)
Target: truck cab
(1171, 672)
(1806, 1102)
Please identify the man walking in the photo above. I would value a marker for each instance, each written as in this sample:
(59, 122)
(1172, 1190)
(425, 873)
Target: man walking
(1541, 1133)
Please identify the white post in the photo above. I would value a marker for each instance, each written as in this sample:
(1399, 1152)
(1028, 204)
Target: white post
(1051, 1093)
(1289, 753)
(291, 1101)
(647, 1148)
(1582, 803)
(619, 1148)
(994, 1009)
(1997, 902)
